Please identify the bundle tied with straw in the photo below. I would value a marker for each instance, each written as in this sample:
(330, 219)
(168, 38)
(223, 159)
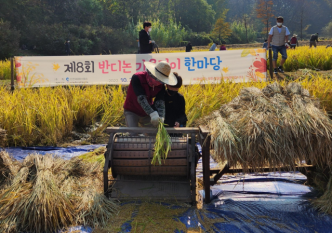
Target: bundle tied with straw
(274, 127)
(162, 145)
(48, 194)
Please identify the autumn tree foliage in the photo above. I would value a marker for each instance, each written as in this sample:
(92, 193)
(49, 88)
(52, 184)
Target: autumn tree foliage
(221, 29)
(265, 13)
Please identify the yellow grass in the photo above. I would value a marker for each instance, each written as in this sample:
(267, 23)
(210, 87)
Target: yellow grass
(5, 71)
(48, 115)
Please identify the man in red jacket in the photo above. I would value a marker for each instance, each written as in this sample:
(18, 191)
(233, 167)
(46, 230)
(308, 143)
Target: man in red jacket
(144, 86)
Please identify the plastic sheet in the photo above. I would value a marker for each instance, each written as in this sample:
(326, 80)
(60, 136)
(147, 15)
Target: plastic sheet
(20, 153)
(267, 202)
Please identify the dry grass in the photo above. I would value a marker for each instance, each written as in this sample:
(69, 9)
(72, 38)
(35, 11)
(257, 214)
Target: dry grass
(46, 194)
(276, 126)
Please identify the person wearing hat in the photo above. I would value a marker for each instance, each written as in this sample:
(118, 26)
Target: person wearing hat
(294, 42)
(175, 105)
(313, 40)
(278, 37)
(139, 106)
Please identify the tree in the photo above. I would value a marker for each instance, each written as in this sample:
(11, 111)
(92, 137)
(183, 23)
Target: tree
(327, 30)
(221, 29)
(265, 13)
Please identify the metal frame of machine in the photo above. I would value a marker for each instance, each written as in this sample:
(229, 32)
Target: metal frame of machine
(210, 176)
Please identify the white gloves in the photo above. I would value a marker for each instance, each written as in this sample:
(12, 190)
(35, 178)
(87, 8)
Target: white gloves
(154, 118)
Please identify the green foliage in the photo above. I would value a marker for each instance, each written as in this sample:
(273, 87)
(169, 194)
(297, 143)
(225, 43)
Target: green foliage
(199, 39)
(239, 33)
(84, 39)
(327, 30)
(9, 40)
(165, 35)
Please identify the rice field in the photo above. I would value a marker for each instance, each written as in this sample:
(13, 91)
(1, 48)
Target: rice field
(47, 116)
(5, 71)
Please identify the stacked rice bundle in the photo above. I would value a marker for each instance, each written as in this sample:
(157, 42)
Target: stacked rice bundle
(46, 194)
(273, 127)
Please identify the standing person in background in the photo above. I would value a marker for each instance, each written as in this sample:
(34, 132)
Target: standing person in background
(67, 47)
(189, 47)
(145, 42)
(278, 37)
(265, 45)
(313, 40)
(213, 47)
(294, 42)
(223, 46)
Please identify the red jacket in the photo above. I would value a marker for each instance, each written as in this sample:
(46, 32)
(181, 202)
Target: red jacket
(293, 40)
(131, 103)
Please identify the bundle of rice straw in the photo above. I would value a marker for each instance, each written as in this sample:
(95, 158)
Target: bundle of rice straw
(162, 145)
(3, 137)
(274, 127)
(47, 194)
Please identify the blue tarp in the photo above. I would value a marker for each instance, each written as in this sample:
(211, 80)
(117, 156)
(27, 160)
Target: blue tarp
(267, 202)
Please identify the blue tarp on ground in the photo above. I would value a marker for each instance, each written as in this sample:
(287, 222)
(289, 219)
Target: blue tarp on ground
(268, 202)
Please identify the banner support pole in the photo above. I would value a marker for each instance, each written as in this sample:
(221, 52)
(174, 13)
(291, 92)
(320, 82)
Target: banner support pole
(271, 64)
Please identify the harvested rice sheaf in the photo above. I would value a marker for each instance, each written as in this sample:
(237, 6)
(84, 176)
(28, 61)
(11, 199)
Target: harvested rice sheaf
(273, 127)
(47, 194)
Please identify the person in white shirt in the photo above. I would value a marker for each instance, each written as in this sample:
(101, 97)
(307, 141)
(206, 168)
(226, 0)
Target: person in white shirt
(278, 37)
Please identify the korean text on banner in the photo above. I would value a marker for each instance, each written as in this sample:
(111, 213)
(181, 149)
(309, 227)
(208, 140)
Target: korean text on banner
(235, 65)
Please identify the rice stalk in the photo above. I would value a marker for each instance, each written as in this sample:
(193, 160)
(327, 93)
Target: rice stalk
(162, 145)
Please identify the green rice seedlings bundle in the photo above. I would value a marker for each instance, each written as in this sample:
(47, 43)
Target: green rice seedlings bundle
(162, 145)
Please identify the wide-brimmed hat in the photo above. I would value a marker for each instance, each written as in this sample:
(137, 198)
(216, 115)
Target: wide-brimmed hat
(161, 72)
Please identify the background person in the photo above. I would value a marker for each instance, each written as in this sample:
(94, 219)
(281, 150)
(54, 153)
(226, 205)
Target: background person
(189, 47)
(144, 86)
(278, 37)
(175, 105)
(294, 42)
(213, 47)
(223, 46)
(67, 47)
(145, 41)
(313, 40)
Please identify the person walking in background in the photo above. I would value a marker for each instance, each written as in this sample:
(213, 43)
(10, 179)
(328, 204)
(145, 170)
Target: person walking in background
(223, 46)
(313, 40)
(67, 47)
(278, 37)
(145, 42)
(294, 42)
(213, 47)
(265, 45)
(189, 47)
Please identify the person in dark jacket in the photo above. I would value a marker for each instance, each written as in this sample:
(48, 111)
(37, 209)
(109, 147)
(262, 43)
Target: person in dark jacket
(146, 44)
(313, 40)
(67, 47)
(175, 105)
(139, 106)
(189, 47)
